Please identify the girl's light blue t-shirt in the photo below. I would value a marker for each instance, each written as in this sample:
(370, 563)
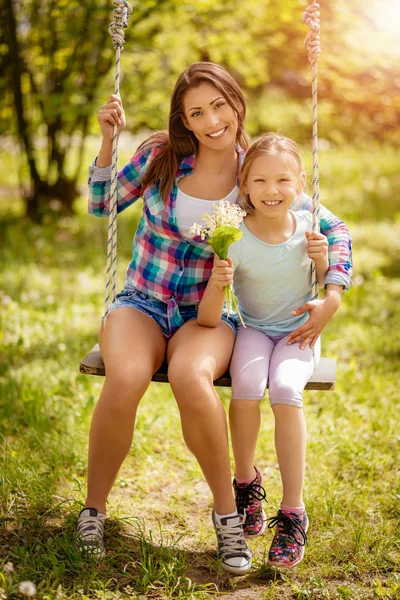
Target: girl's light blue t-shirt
(271, 280)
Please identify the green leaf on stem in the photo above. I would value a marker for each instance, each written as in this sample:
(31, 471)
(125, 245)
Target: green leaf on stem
(222, 238)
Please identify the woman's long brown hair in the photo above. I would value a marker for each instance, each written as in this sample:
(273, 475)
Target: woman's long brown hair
(179, 142)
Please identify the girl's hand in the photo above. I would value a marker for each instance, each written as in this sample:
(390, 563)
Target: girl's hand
(317, 249)
(112, 114)
(222, 272)
(320, 313)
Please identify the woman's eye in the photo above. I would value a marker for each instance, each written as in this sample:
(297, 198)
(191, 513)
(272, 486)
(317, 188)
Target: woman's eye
(219, 104)
(195, 114)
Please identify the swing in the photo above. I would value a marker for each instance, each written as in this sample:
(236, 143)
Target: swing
(324, 375)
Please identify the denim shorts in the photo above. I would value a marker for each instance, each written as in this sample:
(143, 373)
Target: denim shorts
(159, 311)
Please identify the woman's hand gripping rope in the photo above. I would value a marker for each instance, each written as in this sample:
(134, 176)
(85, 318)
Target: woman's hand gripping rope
(112, 113)
(317, 248)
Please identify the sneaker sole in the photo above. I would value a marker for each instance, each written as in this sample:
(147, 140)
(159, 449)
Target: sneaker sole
(92, 552)
(236, 570)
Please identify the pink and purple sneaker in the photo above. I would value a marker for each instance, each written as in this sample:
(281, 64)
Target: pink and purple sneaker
(249, 497)
(287, 548)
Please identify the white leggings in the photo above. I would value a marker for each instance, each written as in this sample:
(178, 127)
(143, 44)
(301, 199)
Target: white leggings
(258, 359)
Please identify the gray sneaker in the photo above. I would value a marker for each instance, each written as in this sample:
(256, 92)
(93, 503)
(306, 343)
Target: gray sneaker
(232, 548)
(90, 532)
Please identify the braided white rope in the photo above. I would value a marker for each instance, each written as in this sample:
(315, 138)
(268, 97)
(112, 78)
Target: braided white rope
(312, 44)
(122, 10)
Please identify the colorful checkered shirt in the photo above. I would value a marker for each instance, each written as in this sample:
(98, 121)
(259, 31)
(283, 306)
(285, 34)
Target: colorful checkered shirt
(168, 267)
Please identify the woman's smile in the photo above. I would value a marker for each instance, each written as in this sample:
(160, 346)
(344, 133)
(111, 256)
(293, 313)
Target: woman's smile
(217, 134)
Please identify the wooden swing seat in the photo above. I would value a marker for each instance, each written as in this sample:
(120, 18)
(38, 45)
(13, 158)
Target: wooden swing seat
(323, 378)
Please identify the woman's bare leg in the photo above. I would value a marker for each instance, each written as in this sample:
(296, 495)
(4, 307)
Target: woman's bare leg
(133, 348)
(197, 356)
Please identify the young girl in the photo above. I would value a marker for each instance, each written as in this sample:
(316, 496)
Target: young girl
(178, 174)
(272, 278)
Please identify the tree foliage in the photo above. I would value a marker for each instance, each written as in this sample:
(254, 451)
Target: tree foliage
(57, 55)
(56, 62)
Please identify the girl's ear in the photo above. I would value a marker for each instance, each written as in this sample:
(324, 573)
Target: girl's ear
(302, 183)
(246, 189)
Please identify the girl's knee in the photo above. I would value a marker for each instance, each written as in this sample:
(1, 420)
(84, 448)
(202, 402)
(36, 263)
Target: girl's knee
(245, 387)
(285, 395)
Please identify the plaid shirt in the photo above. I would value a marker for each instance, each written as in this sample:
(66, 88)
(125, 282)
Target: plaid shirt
(168, 267)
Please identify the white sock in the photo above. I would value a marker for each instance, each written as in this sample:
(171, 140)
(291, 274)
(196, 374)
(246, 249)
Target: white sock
(219, 517)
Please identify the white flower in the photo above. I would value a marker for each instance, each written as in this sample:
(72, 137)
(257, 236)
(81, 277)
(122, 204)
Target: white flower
(27, 588)
(8, 567)
(224, 214)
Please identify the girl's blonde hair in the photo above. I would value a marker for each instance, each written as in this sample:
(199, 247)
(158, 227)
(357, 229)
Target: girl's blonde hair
(271, 144)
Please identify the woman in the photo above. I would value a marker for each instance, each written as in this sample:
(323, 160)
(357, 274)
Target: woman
(179, 175)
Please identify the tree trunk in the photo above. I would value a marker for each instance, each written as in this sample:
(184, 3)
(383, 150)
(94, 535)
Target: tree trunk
(14, 57)
(41, 202)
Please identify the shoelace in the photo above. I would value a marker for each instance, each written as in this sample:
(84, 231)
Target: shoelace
(246, 495)
(231, 539)
(289, 524)
(91, 528)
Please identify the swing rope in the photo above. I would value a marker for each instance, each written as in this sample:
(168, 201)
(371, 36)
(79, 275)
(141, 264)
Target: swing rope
(122, 10)
(312, 45)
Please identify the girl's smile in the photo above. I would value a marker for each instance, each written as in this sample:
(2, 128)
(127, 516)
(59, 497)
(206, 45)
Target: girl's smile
(272, 183)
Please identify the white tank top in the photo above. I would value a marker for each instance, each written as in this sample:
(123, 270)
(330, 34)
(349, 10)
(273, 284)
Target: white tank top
(189, 209)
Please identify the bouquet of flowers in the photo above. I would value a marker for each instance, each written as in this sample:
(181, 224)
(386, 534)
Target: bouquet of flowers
(221, 230)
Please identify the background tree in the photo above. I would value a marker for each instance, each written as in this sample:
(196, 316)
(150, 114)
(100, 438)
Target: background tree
(58, 53)
(57, 61)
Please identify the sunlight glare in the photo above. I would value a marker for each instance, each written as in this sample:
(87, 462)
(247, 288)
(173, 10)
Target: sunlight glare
(386, 15)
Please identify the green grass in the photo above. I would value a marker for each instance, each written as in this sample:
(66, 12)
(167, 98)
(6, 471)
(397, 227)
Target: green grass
(159, 537)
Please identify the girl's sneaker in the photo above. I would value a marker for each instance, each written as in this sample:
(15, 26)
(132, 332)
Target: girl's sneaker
(287, 548)
(232, 548)
(249, 497)
(90, 532)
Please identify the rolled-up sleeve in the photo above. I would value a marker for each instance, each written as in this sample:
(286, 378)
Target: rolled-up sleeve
(129, 183)
(340, 244)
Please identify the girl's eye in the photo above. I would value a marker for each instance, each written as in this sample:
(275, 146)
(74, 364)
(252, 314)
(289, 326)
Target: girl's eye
(195, 114)
(284, 180)
(259, 180)
(219, 104)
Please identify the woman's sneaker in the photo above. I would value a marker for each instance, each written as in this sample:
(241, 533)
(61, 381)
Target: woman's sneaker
(287, 548)
(232, 548)
(249, 497)
(90, 532)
